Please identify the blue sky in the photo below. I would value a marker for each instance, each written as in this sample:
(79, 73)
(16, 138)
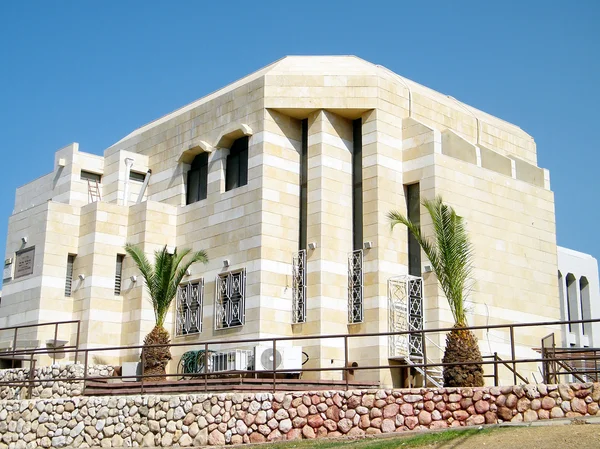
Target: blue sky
(93, 71)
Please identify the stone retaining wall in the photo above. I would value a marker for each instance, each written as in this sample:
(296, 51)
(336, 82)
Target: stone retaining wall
(50, 388)
(217, 419)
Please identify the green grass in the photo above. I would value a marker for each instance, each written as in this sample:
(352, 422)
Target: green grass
(398, 441)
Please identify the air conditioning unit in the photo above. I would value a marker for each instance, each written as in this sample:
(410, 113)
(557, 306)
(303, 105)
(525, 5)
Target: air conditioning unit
(288, 358)
(232, 360)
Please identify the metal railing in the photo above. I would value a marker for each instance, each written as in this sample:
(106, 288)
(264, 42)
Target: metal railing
(15, 354)
(272, 377)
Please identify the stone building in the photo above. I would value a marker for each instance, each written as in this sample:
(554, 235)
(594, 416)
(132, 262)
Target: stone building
(579, 298)
(285, 177)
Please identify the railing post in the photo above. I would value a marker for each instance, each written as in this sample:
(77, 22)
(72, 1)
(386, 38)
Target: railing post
(274, 365)
(54, 345)
(14, 347)
(426, 363)
(31, 376)
(346, 373)
(205, 368)
(85, 369)
(143, 370)
(77, 342)
(495, 369)
(512, 353)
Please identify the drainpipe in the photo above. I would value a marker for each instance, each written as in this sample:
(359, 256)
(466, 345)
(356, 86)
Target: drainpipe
(144, 186)
(128, 165)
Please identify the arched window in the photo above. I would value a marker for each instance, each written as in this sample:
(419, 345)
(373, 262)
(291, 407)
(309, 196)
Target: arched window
(572, 313)
(197, 179)
(586, 313)
(236, 170)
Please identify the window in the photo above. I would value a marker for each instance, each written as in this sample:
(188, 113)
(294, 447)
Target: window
(230, 308)
(89, 176)
(299, 258)
(69, 277)
(413, 212)
(137, 176)
(586, 312)
(303, 186)
(572, 312)
(236, 171)
(189, 308)
(357, 186)
(355, 259)
(355, 287)
(119, 274)
(197, 179)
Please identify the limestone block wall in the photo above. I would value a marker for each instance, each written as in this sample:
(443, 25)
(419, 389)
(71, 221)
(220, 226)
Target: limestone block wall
(220, 419)
(511, 222)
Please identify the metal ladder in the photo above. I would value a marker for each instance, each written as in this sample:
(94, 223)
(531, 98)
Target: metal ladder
(435, 374)
(94, 193)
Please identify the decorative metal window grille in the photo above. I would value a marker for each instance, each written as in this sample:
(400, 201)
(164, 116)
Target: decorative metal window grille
(405, 309)
(189, 308)
(118, 274)
(299, 287)
(69, 276)
(355, 286)
(230, 304)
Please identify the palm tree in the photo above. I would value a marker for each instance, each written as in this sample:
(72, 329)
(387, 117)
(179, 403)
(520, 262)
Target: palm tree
(450, 253)
(162, 280)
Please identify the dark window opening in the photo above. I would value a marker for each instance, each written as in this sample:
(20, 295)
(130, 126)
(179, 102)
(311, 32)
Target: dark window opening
(137, 176)
(357, 186)
(89, 176)
(118, 274)
(413, 211)
(303, 186)
(236, 170)
(69, 276)
(197, 179)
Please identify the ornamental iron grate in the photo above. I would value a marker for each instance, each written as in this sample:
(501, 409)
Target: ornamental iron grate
(405, 313)
(190, 298)
(299, 287)
(230, 308)
(355, 286)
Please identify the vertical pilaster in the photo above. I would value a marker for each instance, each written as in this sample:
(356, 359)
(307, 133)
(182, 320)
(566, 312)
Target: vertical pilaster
(382, 191)
(330, 227)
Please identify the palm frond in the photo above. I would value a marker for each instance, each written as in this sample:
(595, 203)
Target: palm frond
(163, 278)
(449, 251)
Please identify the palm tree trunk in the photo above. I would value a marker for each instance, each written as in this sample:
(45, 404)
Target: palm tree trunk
(462, 346)
(156, 359)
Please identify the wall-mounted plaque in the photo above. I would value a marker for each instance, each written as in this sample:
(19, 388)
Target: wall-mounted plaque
(24, 262)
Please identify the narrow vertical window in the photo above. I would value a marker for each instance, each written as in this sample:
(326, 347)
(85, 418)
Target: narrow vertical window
(357, 186)
(355, 259)
(197, 179)
(118, 274)
(586, 312)
(413, 211)
(303, 186)
(69, 277)
(236, 170)
(299, 258)
(572, 313)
